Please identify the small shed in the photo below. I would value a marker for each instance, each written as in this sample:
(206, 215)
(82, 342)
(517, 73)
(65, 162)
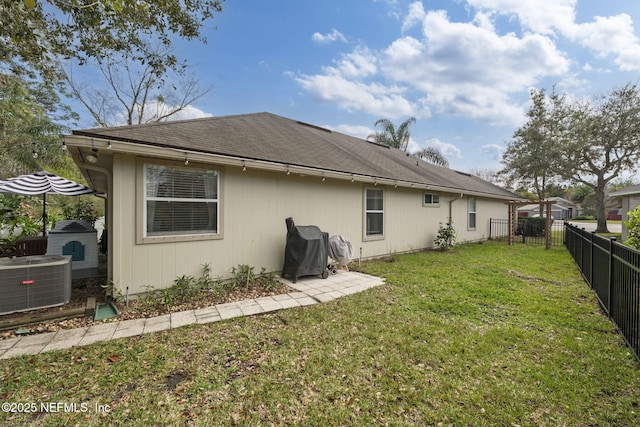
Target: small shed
(76, 238)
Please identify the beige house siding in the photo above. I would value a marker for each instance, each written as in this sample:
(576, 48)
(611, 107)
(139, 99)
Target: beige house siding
(253, 208)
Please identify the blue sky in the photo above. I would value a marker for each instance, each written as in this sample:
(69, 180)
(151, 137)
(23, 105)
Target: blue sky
(463, 68)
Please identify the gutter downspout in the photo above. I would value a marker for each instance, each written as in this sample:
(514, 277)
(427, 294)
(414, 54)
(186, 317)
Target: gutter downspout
(450, 207)
(108, 213)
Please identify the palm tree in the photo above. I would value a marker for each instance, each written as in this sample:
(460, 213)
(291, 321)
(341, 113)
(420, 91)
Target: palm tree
(399, 138)
(434, 156)
(390, 135)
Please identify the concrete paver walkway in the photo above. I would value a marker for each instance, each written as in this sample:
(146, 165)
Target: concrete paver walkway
(309, 290)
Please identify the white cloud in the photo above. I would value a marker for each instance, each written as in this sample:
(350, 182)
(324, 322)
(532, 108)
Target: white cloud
(353, 95)
(463, 69)
(471, 69)
(157, 109)
(483, 20)
(494, 151)
(449, 150)
(331, 37)
(348, 83)
(415, 15)
(611, 36)
(356, 131)
(543, 17)
(606, 36)
(190, 112)
(360, 63)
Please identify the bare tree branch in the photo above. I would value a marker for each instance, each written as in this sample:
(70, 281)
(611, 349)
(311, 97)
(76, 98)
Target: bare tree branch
(134, 94)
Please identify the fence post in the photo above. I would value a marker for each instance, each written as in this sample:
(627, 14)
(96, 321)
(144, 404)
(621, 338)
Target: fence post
(582, 251)
(490, 224)
(591, 260)
(612, 242)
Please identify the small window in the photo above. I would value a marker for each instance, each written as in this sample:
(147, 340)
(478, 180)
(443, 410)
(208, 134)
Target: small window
(180, 201)
(374, 212)
(471, 209)
(431, 200)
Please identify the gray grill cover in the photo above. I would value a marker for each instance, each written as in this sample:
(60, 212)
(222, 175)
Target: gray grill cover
(306, 251)
(340, 250)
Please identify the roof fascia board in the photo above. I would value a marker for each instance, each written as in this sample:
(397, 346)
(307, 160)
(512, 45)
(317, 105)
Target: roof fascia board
(624, 193)
(180, 154)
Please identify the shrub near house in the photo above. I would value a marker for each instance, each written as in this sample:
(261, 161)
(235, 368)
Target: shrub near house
(633, 228)
(532, 226)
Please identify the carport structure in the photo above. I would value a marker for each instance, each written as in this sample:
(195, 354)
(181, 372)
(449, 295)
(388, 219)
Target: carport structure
(513, 208)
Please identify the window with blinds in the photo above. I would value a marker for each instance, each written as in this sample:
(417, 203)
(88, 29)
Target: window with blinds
(180, 200)
(471, 210)
(374, 212)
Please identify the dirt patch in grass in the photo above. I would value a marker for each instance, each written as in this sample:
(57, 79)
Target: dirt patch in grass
(172, 380)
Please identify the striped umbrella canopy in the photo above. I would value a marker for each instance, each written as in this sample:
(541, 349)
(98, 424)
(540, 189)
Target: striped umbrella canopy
(43, 183)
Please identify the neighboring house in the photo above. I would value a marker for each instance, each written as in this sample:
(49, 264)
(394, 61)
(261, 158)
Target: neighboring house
(217, 191)
(533, 210)
(630, 197)
(567, 207)
(561, 209)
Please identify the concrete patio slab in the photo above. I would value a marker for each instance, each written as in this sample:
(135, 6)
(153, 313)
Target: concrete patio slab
(207, 315)
(182, 318)
(289, 303)
(324, 297)
(250, 307)
(306, 300)
(268, 304)
(32, 344)
(129, 328)
(100, 332)
(65, 339)
(229, 310)
(22, 350)
(157, 324)
(8, 343)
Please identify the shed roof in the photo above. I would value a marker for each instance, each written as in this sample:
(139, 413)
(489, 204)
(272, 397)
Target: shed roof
(271, 138)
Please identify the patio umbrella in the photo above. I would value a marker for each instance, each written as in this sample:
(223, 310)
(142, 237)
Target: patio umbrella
(43, 183)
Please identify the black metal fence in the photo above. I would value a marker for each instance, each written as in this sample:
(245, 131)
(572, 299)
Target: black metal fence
(613, 272)
(531, 231)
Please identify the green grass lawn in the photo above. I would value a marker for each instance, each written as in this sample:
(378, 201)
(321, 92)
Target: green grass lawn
(484, 335)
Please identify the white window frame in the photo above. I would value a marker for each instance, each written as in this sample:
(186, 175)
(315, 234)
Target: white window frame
(141, 228)
(433, 197)
(366, 212)
(472, 212)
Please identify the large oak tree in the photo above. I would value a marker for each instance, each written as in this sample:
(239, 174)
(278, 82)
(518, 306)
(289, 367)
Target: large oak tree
(589, 143)
(530, 160)
(602, 141)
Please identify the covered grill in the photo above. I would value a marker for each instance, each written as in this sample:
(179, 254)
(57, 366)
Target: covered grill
(306, 251)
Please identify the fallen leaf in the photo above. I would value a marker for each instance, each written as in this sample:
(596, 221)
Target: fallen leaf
(114, 358)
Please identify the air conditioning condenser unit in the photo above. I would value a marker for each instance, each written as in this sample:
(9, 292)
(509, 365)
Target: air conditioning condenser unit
(32, 282)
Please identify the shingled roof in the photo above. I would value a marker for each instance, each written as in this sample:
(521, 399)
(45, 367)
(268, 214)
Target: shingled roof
(626, 191)
(270, 138)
